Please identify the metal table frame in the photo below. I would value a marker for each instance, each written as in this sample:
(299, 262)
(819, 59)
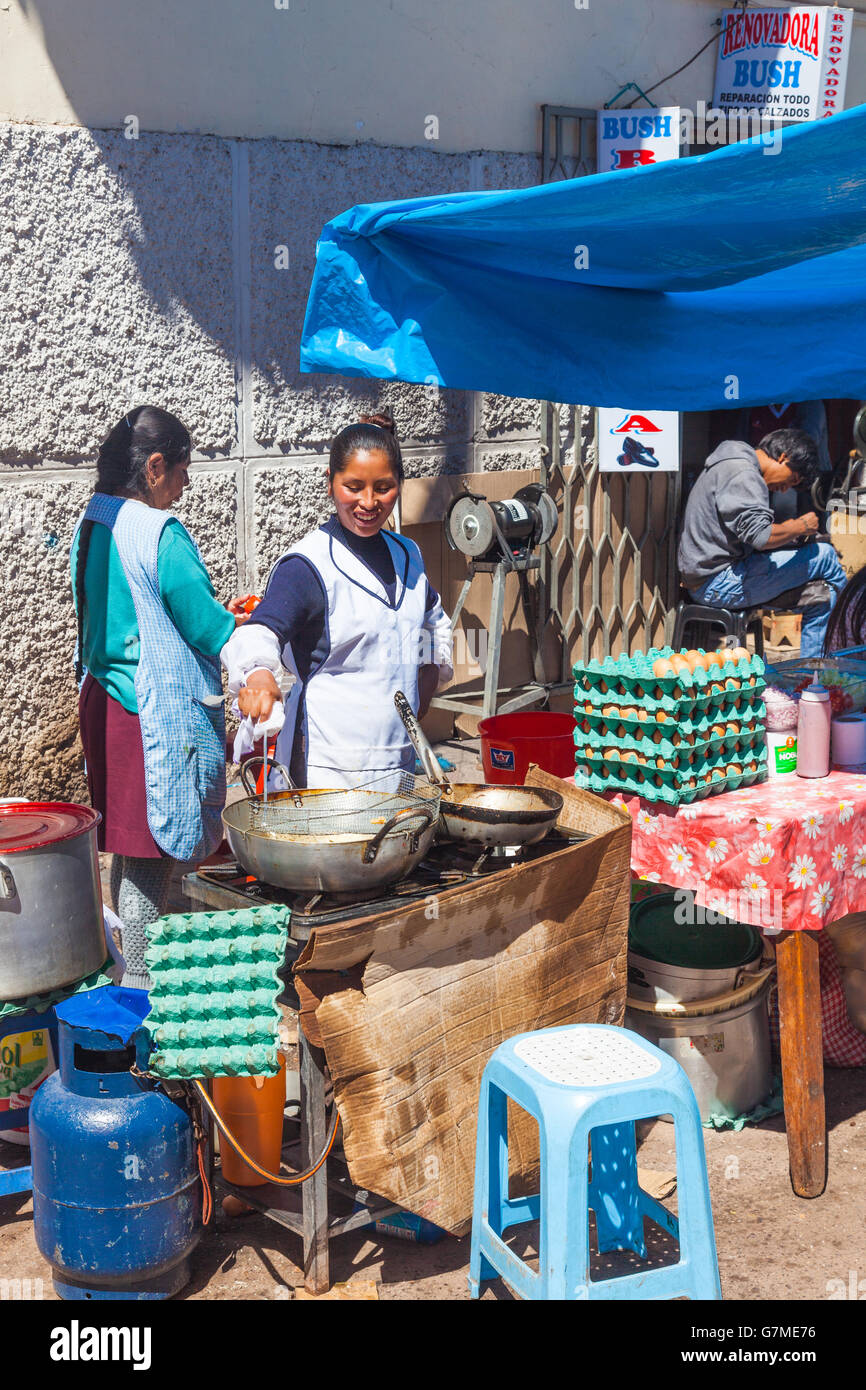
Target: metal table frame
(313, 1223)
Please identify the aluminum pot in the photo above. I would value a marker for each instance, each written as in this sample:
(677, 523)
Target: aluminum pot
(489, 814)
(51, 927)
(725, 1055)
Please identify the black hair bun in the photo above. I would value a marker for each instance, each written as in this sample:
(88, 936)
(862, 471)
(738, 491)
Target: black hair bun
(383, 418)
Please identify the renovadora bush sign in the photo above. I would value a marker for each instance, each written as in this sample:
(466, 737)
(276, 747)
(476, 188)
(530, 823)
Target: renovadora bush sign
(786, 64)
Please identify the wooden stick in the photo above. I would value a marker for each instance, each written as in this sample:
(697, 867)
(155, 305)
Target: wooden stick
(802, 1060)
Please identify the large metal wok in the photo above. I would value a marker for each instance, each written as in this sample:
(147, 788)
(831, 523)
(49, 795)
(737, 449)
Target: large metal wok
(483, 813)
(349, 841)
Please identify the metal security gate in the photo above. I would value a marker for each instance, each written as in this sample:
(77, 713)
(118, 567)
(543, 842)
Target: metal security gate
(609, 577)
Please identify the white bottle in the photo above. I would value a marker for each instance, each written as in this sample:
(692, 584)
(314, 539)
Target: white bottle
(813, 731)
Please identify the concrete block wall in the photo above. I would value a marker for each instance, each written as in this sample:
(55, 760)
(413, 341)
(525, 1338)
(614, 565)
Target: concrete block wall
(146, 270)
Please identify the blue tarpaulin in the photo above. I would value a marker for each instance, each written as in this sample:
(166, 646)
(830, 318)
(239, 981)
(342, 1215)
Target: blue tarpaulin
(734, 278)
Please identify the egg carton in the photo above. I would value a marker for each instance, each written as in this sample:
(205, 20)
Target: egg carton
(672, 789)
(659, 749)
(630, 680)
(703, 734)
(214, 992)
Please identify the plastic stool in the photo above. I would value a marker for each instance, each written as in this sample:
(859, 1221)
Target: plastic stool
(589, 1083)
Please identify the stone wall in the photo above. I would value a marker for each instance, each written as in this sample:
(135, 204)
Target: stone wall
(146, 270)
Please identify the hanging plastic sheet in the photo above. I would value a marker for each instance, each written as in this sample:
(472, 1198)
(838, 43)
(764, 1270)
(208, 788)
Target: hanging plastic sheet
(734, 278)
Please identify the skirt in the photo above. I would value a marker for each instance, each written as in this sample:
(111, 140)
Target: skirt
(114, 756)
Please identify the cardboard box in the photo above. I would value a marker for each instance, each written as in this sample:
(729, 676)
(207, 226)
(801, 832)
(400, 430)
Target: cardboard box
(431, 990)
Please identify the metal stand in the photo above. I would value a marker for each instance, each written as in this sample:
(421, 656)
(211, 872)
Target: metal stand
(531, 692)
(313, 1222)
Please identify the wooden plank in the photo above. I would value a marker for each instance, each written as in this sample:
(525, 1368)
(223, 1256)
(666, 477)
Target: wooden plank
(802, 1060)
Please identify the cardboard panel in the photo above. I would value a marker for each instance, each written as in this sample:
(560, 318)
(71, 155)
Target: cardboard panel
(435, 988)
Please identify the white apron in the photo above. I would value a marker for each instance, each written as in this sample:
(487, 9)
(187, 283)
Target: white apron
(351, 730)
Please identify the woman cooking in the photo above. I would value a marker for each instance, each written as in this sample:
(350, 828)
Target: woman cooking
(149, 635)
(348, 611)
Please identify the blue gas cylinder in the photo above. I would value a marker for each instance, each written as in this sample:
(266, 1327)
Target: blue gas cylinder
(116, 1196)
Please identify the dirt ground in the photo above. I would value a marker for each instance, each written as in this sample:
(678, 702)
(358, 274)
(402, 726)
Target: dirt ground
(771, 1244)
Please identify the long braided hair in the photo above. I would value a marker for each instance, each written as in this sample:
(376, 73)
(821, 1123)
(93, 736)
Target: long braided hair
(121, 467)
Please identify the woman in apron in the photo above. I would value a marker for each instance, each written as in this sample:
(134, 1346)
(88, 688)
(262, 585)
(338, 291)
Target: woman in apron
(149, 635)
(350, 613)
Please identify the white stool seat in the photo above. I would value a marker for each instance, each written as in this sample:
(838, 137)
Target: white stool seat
(597, 1057)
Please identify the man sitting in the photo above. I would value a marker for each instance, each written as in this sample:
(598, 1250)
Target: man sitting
(733, 555)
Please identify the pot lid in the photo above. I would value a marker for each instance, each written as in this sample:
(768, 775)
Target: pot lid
(33, 824)
(655, 932)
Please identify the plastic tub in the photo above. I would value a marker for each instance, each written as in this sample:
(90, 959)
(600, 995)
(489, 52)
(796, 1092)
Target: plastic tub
(510, 742)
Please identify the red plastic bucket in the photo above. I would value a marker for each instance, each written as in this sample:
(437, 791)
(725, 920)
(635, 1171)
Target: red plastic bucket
(510, 742)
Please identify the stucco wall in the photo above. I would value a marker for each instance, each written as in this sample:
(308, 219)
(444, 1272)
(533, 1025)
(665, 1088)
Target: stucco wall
(343, 72)
(145, 271)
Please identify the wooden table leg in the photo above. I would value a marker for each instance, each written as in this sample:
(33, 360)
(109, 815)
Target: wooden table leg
(802, 1060)
(311, 1062)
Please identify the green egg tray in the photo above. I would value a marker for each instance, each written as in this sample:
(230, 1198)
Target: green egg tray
(628, 680)
(672, 740)
(598, 775)
(214, 992)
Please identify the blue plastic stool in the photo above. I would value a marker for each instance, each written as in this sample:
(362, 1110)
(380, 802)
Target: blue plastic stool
(589, 1082)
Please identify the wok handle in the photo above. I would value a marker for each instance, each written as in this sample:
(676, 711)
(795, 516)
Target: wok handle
(371, 848)
(251, 766)
(420, 742)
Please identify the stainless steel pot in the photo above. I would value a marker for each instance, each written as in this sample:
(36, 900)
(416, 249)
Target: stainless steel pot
(51, 928)
(352, 860)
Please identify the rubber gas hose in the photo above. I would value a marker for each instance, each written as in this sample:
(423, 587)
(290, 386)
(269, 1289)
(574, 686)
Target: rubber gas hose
(278, 1178)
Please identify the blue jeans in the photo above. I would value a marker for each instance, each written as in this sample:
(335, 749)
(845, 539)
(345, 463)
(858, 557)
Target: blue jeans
(765, 573)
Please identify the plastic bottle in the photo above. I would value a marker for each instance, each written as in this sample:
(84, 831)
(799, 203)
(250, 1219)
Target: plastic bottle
(405, 1225)
(252, 1107)
(813, 731)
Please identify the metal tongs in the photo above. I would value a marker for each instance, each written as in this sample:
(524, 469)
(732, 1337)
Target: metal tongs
(421, 743)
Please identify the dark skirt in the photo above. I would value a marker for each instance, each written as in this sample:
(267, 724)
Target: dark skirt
(115, 773)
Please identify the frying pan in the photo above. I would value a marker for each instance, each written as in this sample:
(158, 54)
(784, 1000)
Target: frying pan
(483, 813)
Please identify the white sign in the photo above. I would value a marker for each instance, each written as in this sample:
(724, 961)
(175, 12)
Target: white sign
(638, 441)
(784, 64)
(628, 139)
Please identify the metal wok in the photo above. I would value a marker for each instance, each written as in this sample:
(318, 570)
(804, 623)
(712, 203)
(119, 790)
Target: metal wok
(349, 841)
(488, 814)
(485, 813)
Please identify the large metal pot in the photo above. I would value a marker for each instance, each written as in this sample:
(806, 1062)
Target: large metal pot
(374, 841)
(51, 930)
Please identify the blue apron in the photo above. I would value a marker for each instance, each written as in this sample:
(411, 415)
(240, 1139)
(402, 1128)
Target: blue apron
(183, 739)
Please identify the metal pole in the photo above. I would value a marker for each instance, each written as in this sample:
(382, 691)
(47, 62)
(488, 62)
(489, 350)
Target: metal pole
(491, 674)
(311, 1061)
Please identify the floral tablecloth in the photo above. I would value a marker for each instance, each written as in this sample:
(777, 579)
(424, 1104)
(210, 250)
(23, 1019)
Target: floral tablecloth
(785, 854)
(788, 853)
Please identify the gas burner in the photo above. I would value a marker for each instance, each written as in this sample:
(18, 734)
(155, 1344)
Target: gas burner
(447, 865)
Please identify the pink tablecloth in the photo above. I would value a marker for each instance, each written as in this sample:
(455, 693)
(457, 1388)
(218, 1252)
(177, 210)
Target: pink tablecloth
(788, 853)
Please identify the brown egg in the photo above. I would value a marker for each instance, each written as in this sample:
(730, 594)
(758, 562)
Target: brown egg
(628, 712)
(733, 770)
(740, 654)
(661, 717)
(716, 775)
(751, 766)
(718, 731)
(662, 669)
(733, 683)
(642, 715)
(612, 754)
(641, 757)
(707, 777)
(731, 730)
(681, 666)
(588, 708)
(692, 782)
(628, 755)
(660, 762)
(714, 659)
(609, 711)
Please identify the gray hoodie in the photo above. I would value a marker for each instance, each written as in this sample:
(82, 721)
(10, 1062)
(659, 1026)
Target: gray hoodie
(728, 514)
